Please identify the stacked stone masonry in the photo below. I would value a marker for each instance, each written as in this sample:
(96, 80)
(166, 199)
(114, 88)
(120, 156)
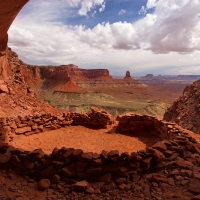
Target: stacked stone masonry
(171, 161)
(29, 125)
(136, 123)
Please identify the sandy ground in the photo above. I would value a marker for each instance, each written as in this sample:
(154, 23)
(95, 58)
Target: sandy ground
(79, 137)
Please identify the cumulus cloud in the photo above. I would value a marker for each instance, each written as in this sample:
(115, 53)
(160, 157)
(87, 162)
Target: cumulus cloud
(63, 9)
(121, 12)
(173, 26)
(110, 36)
(143, 10)
(103, 7)
(87, 5)
(151, 3)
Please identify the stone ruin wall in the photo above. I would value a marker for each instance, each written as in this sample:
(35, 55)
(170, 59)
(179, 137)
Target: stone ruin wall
(136, 123)
(29, 125)
(108, 169)
(97, 118)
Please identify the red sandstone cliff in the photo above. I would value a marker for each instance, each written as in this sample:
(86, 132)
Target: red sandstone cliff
(8, 12)
(16, 98)
(65, 72)
(43, 76)
(186, 110)
(64, 78)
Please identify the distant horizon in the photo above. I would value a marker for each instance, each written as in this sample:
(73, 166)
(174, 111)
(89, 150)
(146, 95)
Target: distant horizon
(116, 75)
(113, 74)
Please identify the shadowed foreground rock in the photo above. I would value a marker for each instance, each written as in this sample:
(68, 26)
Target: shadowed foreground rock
(8, 12)
(170, 169)
(185, 111)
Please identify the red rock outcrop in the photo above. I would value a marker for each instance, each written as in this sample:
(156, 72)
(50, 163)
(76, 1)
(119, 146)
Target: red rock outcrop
(188, 77)
(65, 72)
(128, 75)
(57, 78)
(8, 12)
(185, 111)
(16, 97)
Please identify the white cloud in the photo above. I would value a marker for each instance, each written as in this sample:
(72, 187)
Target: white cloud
(143, 10)
(64, 9)
(103, 7)
(93, 14)
(113, 36)
(74, 3)
(177, 29)
(172, 28)
(121, 12)
(88, 5)
(151, 3)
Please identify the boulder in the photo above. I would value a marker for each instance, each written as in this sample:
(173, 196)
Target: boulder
(106, 178)
(5, 158)
(159, 178)
(157, 155)
(194, 186)
(28, 164)
(81, 185)
(4, 88)
(43, 184)
(49, 172)
(196, 197)
(69, 171)
(23, 130)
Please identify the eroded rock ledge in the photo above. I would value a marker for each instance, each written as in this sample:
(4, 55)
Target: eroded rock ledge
(185, 110)
(97, 118)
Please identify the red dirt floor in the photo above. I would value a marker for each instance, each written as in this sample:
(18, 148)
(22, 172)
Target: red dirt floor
(79, 137)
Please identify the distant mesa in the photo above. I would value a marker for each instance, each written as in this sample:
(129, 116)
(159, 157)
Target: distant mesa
(149, 76)
(128, 75)
(71, 66)
(188, 77)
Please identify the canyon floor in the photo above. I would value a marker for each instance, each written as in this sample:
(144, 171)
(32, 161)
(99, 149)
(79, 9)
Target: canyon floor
(152, 99)
(89, 140)
(16, 186)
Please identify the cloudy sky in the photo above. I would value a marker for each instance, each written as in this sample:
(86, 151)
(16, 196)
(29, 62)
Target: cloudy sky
(142, 36)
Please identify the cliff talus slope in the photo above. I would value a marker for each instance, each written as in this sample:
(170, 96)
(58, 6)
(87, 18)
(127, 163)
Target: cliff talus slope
(185, 111)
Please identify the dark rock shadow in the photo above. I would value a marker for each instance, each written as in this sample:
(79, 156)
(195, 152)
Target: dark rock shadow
(148, 137)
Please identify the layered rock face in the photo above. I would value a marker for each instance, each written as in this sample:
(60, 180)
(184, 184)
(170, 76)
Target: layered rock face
(65, 72)
(16, 97)
(185, 111)
(57, 78)
(188, 77)
(8, 12)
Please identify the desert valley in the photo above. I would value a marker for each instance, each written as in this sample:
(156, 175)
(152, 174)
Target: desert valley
(67, 132)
